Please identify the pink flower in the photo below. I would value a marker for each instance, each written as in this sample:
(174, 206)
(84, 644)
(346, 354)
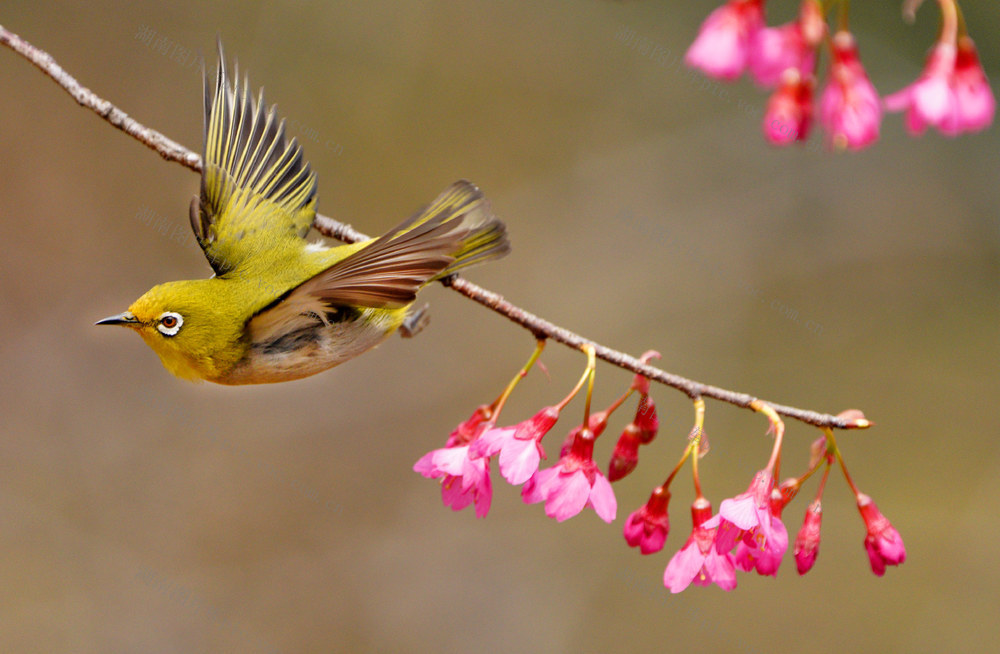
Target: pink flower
(625, 457)
(699, 561)
(883, 542)
(973, 95)
(520, 446)
(464, 478)
(748, 515)
(764, 556)
(647, 527)
(789, 109)
(849, 107)
(931, 99)
(722, 47)
(776, 49)
(572, 484)
(807, 542)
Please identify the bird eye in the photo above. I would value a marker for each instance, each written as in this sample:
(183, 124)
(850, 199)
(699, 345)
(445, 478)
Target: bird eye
(170, 323)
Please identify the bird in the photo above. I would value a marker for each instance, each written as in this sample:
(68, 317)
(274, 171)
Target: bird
(278, 307)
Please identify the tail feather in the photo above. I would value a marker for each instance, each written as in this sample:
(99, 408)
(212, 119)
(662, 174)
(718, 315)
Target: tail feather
(455, 231)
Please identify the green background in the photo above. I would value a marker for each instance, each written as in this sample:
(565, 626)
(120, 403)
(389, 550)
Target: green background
(140, 513)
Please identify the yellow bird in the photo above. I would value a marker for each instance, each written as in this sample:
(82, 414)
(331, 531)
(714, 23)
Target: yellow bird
(278, 307)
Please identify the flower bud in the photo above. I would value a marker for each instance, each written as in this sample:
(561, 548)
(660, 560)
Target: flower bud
(789, 110)
(646, 420)
(883, 543)
(647, 527)
(807, 542)
(625, 457)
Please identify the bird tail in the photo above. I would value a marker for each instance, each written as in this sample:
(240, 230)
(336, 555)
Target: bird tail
(455, 231)
(460, 215)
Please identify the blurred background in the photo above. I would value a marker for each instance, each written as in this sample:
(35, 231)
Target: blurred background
(141, 513)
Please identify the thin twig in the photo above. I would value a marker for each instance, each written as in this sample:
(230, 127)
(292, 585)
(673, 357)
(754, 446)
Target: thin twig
(540, 327)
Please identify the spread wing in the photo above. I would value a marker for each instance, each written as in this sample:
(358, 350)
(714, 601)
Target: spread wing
(458, 229)
(256, 188)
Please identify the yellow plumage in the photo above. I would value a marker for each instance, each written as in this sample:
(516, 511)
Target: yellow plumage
(277, 308)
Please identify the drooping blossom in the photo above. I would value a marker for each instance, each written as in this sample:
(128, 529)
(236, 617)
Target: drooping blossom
(572, 484)
(519, 446)
(931, 100)
(849, 107)
(883, 543)
(749, 521)
(722, 47)
(647, 527)
(464, 478)
(625, 456)
(807, 541)
(699, 561)
(976, 104)
(464, 475)
(646, 419)
(789, 109)
(748, 513)
(792, 45)
(764, 556)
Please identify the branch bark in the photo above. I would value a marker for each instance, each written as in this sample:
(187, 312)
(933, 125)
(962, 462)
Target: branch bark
(539, 327)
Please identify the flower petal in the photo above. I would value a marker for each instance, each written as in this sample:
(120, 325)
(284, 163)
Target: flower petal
(684, 566)
(567, 497)
(602, 498)
(519, 460)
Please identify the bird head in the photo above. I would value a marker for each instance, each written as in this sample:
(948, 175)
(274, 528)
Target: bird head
(187, 326)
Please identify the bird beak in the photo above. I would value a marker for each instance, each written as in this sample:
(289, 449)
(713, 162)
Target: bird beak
(124, 318)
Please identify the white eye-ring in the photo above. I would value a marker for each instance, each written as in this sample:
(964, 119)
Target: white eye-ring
(169, 323)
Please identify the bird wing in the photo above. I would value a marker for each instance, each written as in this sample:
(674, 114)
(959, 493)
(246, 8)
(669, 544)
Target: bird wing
(256, 188)
(456, 230)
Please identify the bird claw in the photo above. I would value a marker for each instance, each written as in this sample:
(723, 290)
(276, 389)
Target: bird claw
(415, 321)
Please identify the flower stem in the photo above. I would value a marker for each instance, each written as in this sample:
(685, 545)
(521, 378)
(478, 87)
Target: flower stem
(843, 16)
(591, 372)
(576, 389)
(840, 459)
(822, 481)
(500, 401)
(949, 21)
(695, 444)
(779, 433)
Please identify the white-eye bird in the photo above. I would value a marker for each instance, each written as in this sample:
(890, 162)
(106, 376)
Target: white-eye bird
(279, 308)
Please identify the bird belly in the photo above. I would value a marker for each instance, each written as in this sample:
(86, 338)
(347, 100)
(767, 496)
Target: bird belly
(309, 350)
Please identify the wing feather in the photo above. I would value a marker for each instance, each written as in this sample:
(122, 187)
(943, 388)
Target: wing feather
(256, 185)
(456, 230)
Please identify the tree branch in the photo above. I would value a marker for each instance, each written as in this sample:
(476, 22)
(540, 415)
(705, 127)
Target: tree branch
(539, 327)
